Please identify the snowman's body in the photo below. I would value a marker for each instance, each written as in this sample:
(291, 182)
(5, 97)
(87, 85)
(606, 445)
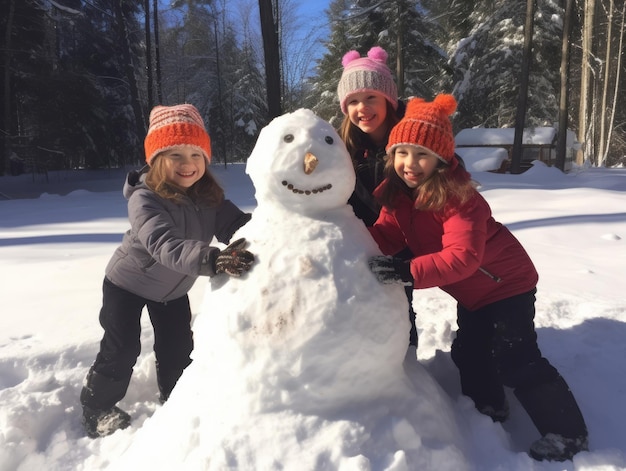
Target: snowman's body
(300, 364)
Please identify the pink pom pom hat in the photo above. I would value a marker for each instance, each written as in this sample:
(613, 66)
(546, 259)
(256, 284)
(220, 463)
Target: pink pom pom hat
(361, 74)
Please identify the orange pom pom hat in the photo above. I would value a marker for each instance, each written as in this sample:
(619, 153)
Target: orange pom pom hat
(173, 126)
(427, 124)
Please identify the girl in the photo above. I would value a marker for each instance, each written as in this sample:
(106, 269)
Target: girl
(175, 210)
(369, 101)
(431, 206)
(368, 98)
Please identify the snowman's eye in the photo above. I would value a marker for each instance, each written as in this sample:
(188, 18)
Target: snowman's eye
(288, 138)
(329, 140)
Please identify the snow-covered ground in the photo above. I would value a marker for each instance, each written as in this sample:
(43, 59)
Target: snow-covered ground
(54, 249)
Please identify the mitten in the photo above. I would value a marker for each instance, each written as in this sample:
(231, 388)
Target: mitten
(391, 270)
(234, 260)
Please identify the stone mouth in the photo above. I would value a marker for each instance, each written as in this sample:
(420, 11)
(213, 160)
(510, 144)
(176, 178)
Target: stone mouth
(298, 191)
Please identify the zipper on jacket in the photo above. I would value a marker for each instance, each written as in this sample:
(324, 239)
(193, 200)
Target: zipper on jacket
(495, 278)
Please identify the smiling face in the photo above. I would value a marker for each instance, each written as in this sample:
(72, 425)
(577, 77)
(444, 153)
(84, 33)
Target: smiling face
(367, 111)
(414, 164)
(300, 162)
(183, 165)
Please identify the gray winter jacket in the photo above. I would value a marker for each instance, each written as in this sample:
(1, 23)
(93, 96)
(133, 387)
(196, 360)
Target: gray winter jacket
(162, 253)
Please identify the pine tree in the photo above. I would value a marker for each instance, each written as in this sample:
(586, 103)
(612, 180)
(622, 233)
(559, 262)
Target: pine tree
(25, 67)
(487, 66)
(249, 104)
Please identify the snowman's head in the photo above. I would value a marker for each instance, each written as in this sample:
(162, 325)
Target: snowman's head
(301, 163)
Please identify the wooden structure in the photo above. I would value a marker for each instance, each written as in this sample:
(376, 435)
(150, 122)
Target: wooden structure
(538, 143)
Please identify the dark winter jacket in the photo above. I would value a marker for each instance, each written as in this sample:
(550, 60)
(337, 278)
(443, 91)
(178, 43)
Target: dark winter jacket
(464, 251)
(368, 166)
(161, 254)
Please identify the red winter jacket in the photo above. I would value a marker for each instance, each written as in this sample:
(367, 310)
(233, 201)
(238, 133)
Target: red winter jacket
(464, 251)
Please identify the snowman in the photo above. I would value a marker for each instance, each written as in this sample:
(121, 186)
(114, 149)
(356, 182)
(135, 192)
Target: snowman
(302, 363)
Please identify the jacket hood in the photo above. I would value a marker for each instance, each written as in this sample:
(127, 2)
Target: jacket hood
(134, 181)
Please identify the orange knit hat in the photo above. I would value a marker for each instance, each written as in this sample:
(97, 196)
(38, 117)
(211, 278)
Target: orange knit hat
(172, 126)
(427, 124)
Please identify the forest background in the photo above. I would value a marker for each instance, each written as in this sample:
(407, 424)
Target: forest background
(79, 77)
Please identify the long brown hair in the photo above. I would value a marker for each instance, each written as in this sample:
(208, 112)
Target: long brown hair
(434, 193)
(205, 191)
(356, 140)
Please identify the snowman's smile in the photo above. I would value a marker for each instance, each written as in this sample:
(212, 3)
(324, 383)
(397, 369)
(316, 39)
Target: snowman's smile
(314, 191)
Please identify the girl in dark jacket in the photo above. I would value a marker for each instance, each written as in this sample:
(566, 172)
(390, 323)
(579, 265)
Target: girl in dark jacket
(431, 206)
(369, 100)
(175, 209)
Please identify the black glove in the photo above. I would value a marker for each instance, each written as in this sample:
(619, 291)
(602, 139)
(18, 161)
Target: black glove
(234, 260)
(391, 270)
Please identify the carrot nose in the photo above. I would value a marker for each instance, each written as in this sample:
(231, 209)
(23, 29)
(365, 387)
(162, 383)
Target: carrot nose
(310, 162)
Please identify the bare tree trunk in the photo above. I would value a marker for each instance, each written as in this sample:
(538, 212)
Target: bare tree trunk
(400, 53)
(602, 143)
(520, 117)
(561, 143)
(130, 71)
(279, 20)
(157, 54)
(6, 93)
(272, 59)
(218, 73)
(586, 81)
(618, 68)
(146, 5)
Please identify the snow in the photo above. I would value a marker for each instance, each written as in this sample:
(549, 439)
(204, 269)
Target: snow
(54, 249)
(482, 159)
(539, 135)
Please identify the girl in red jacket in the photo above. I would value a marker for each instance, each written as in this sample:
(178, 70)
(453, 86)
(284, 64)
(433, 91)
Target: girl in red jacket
(431, 206)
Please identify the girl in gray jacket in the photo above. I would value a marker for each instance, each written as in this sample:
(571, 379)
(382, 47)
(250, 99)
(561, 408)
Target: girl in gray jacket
(175, 208)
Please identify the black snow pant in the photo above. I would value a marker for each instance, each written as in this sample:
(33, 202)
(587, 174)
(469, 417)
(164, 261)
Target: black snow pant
(496, 346)
(109, 376)
(406, 254)
(413, 332)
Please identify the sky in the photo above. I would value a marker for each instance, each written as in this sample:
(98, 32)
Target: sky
(312, 24)
(313, 10)
(298, 361)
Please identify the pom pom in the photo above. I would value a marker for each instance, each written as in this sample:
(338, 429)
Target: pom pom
(378, 54)
(447, 103)
(413, 106)
(349, 57)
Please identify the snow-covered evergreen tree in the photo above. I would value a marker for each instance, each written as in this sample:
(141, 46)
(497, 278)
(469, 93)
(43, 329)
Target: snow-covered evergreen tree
(487, 65)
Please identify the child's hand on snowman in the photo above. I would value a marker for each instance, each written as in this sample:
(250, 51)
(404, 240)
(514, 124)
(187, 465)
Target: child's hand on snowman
(391, 270)
(234, 260)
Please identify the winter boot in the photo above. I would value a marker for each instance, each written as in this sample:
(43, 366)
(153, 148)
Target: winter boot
(554, 411)
(100, 423)
(98, 397)
(497, 414)
(553, 447)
